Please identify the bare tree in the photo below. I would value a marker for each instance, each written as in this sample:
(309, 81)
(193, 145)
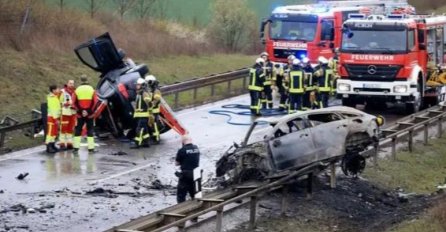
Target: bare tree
(61, 4)
(94, 6)
(124, 6)
(144, 7)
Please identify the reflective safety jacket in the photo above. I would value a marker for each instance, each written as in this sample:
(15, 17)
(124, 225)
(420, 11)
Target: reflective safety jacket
(66, 99)
(84, 97)
(268, 71)
(256, 78)
(142, 107)
(53, 105)
(324, 75)
(309, 80)
(155, 99)
(296, 81)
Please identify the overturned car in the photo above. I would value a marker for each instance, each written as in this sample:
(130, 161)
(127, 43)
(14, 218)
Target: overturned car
(291, 142)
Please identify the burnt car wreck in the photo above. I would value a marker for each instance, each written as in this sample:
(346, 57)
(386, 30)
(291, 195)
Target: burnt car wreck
(291, 142)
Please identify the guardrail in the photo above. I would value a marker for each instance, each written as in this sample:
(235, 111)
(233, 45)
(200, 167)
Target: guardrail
(178, 215)
(173, 89)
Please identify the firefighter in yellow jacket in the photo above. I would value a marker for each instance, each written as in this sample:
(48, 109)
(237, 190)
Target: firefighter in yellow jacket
(324, 75)
(256, 80)
(53, 115)
(142, 114)
(154, 107)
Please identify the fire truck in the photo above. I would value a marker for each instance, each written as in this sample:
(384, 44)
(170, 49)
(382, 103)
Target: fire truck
(315, 30)
(393, 58)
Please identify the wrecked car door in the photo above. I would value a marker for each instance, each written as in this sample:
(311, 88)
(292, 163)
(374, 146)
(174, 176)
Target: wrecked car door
(291, 145)
(329, 131)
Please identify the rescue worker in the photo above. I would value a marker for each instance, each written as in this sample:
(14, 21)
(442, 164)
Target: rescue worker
(282, 85)
(68, 118)
(83, 99)
(324, 76)
(155, 104)
(296, 87)
(256, 80)
(267, 94)
(309, 84)
(142, 114)
(333, 64)
(188, 158)
(53, 115)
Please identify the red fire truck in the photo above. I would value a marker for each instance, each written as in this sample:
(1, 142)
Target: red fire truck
(314, 30)
(392, 59)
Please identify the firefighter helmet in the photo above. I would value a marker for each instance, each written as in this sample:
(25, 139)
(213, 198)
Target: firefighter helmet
(150, 78)
(291, 57)
(322, 60)
(296, 62)
(260, 61)
(140, 81)
(305, 60)
(264, 54)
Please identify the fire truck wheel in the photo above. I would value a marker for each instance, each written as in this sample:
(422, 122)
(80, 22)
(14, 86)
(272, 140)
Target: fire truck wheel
(413, 107)
(348, 102)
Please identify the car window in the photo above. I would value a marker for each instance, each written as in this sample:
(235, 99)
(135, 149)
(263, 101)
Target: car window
(291, 126)
(317, 119)
(349, 115)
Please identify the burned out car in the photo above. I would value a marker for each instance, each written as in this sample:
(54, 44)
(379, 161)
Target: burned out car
(275, 145)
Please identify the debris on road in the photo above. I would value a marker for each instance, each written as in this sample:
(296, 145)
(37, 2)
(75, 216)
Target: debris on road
(22, 176)
(119, 153)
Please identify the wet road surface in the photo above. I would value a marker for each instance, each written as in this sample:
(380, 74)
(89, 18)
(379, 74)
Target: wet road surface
(63, 180)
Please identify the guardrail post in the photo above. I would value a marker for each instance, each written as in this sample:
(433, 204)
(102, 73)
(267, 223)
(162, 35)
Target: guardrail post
(309, 185)
(440, 127)
(212, 90)
(426, 133)
(219, 219)
(394, 148)
(176, 100)
(410, 141)
(284, 199)
(253, 212)
(333, 175)
(2, 139)
(229, 88)
(244, 83)
(195, 95)
(375, 156)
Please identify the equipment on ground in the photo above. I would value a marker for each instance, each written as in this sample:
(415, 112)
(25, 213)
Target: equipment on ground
(393, 58)
(116, 89)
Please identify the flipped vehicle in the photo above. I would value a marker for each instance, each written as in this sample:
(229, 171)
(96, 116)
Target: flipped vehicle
(116, 88)
(291, 142)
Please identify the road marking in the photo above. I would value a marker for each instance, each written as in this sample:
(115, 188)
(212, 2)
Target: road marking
(119, 174)
(15, 156)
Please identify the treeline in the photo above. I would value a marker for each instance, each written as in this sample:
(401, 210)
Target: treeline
(33, 25)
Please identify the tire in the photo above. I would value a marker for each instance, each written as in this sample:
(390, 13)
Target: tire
(348, 102)
(413, 107)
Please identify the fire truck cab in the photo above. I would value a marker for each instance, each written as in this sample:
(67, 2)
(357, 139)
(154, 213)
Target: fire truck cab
(390, 59)
(315, 30)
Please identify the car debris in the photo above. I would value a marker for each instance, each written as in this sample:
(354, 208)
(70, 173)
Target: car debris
(280, 144)
(22, 176)
(119, 153)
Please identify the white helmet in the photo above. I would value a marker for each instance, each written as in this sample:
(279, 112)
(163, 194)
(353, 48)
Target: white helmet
(150, 78)
(296, 61)
(260, 61)
(264, 54)
(322, 60)
(140, 81)
(305, 60)
(291, 57)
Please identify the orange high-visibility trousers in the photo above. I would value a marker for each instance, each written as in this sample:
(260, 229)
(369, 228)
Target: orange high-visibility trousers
(52, 129)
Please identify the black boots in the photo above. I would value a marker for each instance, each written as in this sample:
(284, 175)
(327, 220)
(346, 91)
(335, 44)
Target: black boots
(51, 148)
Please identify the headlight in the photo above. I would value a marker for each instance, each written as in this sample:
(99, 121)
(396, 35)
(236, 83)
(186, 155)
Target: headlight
(379, 120)
(400, 88)
(343, 87)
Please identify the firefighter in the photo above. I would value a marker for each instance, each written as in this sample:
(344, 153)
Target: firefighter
(68, 118)
(155, 104)
(282, 85)
(142, 115)
(83, 99)
(309, 84)
(324, 76)
(53, 115)
(188, 158)
(256, 80)
(267, 94)
(296, 86)
(333, 65)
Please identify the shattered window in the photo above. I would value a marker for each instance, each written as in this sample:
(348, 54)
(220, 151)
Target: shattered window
(349, 115)
(317, 119)
(292, 126)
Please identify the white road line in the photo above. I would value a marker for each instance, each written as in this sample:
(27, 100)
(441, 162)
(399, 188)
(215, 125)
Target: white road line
(119, 174)
(15, 156)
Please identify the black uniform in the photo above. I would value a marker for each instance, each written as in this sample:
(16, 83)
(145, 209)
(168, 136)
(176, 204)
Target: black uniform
(267, 94)
(309, 86)
(189, 158)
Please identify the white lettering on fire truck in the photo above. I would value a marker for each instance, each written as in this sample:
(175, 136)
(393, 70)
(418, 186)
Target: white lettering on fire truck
(372, 57)
(289, 45)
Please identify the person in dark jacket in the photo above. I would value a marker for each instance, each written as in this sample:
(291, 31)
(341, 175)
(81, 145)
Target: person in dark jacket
(188, 158)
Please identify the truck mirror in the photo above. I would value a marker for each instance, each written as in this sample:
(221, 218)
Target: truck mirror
(422, 46)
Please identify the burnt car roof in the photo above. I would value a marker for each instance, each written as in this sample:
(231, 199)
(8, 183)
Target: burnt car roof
(276, 120)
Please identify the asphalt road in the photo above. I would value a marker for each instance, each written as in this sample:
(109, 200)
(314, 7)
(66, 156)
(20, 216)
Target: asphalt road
(125, 188)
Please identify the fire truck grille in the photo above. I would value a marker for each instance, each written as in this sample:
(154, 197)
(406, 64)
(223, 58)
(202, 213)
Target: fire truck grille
(372, 72)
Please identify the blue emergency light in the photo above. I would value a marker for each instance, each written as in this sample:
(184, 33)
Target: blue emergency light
(356, 16)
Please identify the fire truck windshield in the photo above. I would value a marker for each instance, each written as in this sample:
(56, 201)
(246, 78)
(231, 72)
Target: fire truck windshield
(374, 41)
(292, 30)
